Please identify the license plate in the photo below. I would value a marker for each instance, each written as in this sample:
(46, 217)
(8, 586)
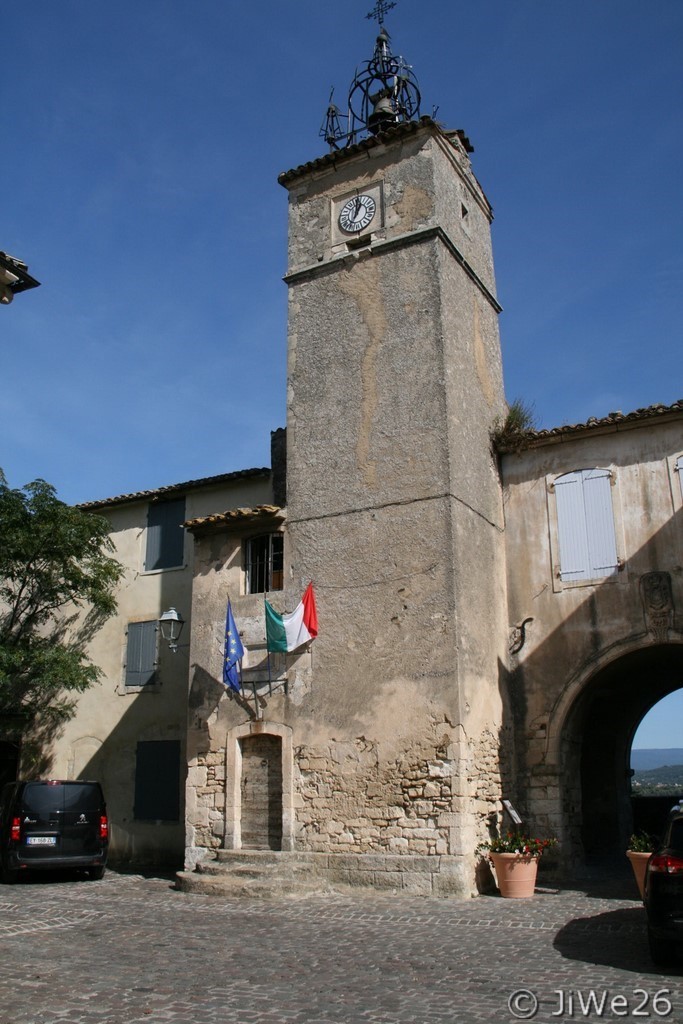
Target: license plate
(41, 840)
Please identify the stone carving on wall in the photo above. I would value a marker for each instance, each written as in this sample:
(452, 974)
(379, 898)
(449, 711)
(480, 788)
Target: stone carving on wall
(658, 605)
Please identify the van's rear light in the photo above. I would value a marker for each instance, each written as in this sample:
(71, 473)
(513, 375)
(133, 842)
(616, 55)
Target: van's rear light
(15, 830)
(667, 864)
(104, 827)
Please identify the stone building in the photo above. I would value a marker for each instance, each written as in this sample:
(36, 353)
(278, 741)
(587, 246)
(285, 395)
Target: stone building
(497, 610)
(594, 550)
(129, 731)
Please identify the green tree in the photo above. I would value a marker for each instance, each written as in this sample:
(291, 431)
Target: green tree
(57, 585)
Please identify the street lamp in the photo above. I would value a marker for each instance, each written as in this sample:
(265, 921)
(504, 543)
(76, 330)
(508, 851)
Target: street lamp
(14, 277)
(171, 624)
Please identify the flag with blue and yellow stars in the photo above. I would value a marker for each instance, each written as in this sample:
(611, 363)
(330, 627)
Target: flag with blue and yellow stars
(234, 652)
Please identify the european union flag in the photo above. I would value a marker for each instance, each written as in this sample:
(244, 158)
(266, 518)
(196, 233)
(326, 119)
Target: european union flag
(234, 652)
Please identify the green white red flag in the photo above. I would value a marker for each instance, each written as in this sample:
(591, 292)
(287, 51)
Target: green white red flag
(289, 632)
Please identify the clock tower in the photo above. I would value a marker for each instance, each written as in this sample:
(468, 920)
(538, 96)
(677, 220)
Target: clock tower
(394, 505)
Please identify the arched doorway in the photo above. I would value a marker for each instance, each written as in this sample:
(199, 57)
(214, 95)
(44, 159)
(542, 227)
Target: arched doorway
(259, 793)
(596, 746)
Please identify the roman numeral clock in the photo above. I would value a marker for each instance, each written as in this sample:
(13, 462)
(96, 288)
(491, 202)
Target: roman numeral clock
(357, 214)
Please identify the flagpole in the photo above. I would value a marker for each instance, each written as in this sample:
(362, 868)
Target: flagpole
(270, 681)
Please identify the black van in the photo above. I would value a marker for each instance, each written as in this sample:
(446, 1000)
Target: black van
(52, 824)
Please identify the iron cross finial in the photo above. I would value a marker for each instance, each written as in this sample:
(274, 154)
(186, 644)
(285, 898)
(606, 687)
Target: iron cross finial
(380, 9)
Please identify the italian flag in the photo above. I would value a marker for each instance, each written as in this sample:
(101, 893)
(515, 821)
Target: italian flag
(288, 632)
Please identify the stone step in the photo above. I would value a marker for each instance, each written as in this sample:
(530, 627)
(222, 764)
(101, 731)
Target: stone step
(227, 884)
(243, 856)
(237, 870)
(258, 873)
(243, 871)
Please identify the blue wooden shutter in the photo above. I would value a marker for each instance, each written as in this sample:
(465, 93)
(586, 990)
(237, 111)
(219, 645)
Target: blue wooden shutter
(585, 524)
(602, 542)
(679, 468)
(141, 653)
(165, 535)
(571, 525)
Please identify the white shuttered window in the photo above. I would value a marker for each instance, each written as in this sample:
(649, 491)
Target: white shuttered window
(585, 523)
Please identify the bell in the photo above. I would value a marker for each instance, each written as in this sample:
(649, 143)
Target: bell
(383, 114)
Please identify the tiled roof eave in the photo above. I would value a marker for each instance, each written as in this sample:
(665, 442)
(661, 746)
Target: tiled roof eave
(338, 156)
(162, 492)
(235, 517)
(611, 424)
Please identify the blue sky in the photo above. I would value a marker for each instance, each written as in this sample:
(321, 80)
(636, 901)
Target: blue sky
(142, 144)
(661, 727)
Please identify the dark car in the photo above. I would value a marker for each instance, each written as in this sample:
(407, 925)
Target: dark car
(52, 824)
(664, 893)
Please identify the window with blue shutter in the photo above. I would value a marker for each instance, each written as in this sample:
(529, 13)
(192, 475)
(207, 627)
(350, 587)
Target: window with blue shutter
(585, 524)
(165, 535)
(141, 653)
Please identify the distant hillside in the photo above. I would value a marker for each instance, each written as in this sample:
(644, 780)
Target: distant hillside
(644, 760)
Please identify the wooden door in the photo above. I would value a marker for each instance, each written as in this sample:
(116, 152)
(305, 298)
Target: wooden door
(261, 791)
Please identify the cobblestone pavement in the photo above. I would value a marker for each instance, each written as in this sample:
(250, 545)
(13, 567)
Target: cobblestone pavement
(129, 949)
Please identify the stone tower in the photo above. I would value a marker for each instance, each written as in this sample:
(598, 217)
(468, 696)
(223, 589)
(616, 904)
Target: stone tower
(394, 502)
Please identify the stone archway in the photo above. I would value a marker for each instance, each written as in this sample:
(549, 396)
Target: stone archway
(595, 743)
(259, 799)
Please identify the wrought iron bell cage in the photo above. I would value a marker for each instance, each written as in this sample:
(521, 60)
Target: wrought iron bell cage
(384, 92)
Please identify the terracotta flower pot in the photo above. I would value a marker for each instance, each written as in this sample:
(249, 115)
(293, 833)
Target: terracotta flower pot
(515, 874)
(639, 864)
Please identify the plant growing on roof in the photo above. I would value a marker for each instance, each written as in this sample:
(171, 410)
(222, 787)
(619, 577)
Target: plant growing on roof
(520, 420)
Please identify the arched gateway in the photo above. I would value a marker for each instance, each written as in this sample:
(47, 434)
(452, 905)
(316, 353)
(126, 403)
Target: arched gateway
(595, 726)
(594, 545)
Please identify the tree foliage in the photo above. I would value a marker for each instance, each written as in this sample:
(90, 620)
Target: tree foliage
(57, 584)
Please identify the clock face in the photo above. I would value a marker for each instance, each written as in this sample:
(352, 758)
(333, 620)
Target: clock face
(357, 213)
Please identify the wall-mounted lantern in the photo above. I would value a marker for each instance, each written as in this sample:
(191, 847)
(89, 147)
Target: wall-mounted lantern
(14, 277)
(171, 624)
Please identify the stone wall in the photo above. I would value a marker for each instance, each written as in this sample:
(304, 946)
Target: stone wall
(350, 801)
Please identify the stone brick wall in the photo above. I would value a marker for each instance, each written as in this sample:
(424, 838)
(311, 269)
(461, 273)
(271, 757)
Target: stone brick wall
(348, 800)
(205, 794)
(352, 802)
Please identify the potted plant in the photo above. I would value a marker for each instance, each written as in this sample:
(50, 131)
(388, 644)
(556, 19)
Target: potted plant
(640, 848)
(515, 857)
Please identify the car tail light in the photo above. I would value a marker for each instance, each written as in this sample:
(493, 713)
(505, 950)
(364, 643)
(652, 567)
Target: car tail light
(104, 827)
(666, 863)
(15, 830)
